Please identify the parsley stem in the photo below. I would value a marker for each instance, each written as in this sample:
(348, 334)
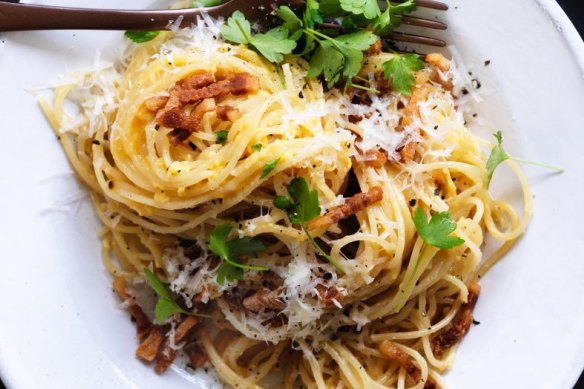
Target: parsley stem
(362, 79)
(321, 252)
(245, 267)
(410, 282)
(315, 34)
(365, 88)
(557, 169)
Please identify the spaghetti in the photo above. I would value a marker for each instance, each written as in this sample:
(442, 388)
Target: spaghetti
(305, 320)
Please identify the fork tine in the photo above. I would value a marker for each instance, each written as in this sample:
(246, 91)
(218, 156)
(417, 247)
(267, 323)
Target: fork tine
(428, 4)
(422, 22)
(411, 38)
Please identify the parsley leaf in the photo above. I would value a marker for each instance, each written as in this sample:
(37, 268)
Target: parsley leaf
(165, 306)
(401, 69)
(499, 155)
(268, 167)
(141, 36)
(257, 147)
(304, 207)
(205, 3)
(368, 8)
(222, 136)
(273, 44)
(291, 22)
(435, 233)
(231, 250)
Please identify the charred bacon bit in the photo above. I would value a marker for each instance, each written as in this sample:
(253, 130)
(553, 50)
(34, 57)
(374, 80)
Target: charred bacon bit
(148, 349)
(143, 324)
(237, 85)
(375, 158)
(395, 353)
(263, 299)
(197, 356)
(227, 113)
(461, 325)
(329, 295)
(168, 354)
(353, 205)
(439, 61)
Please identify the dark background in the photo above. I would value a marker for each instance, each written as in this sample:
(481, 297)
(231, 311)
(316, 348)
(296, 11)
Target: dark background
(575, 10)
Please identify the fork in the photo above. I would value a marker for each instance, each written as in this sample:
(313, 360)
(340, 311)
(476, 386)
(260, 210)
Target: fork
(23, 17)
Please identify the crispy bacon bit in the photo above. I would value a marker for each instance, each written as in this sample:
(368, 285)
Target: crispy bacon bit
(439, 61)
(375, 158)
(227, 113)
(168, 354)
(263, 299)
(408, 152)
(329, 295)
(461, 325)
(148, 349)
(419, 93)
(353, 205)
(156, 103)
(375, 48)
(197, 356)
(236, 84)
(142, 322)
(185, 124)
(383, 84)
(395, 353)
(198, 81)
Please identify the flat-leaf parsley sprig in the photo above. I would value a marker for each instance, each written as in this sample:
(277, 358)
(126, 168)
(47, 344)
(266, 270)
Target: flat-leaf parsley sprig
(436, 233)
(230, 250)
(302, 206)
(499, 155)
(166, 306)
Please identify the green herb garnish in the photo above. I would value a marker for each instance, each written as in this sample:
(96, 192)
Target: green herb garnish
(141, 36)
(165, 306)
(401, 69)
(499, 155)
(273, 44)
(302, 207)
(222, 136)
(268, 167)
(257, 147)
(230, 251)
(206, 3)
(434, 233)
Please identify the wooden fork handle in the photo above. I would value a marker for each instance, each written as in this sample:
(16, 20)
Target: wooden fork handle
(23, 17)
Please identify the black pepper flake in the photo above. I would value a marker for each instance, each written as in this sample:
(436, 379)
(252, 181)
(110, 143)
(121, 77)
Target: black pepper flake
(193, 146)
(474, 115)
(295, 344)
(95, 142)
(435, 127)
(465, 91)
(475, 322)
(487, 62)
(413, 202)
(436, 192)
(301, 95)
(327, 276)
(110, 184)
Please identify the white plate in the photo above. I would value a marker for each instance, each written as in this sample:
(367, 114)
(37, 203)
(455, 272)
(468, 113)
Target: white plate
(59, 326)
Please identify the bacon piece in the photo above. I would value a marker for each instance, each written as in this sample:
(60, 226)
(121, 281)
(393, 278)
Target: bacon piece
(197, 356)
(156, 103)
(375, 158)
(383, 84)
(227, 113)
(197, 81)
(461, 325)
(351, 206)
(184, 124)
(375, 48)
(168, 354)
(148, 349)
(408, 151)
(395, 353)
(420, 93)
(237, 85)
(143, 324)
(263, 299)
(329, 295)
(439, 61)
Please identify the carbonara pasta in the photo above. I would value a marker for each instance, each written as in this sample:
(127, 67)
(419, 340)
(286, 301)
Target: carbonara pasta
(185, 143)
